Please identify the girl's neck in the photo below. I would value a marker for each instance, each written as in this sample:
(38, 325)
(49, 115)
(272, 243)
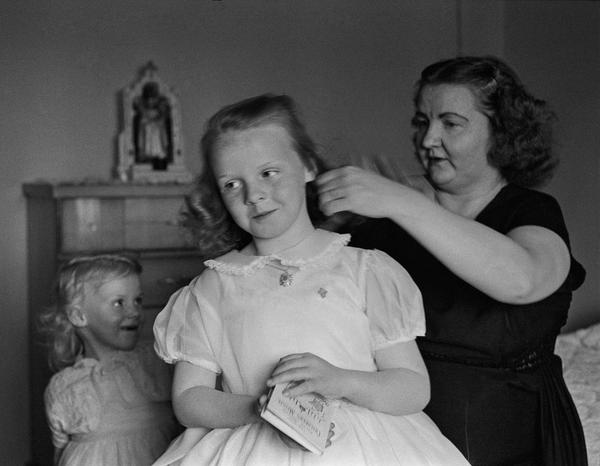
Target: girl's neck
(89, 352)
(262, 247)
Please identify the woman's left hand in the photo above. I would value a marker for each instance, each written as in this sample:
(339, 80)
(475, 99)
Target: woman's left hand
(309, 373)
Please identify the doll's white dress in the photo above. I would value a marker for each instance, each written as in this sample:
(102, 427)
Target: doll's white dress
(238, 319)
(115, 412)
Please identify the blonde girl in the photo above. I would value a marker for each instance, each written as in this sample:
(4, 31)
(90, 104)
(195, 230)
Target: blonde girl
(108, 402)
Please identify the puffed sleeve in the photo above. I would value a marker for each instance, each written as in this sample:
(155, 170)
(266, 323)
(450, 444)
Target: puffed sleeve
(189, 328)
(393, 301)
(55, 415)
(72, 403)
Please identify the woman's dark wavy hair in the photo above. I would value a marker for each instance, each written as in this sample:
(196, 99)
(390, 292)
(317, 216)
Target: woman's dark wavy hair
(213, 230)
(522, 147)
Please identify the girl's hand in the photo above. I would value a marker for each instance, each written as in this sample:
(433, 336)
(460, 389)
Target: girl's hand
(289, 442)
(309, 373)
(330, 434)
(262, 399)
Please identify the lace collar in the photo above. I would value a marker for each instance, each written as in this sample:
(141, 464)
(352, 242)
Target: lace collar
(117, 359)
(325, 245)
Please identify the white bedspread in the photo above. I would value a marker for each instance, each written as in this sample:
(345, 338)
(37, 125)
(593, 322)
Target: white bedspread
(580, 352)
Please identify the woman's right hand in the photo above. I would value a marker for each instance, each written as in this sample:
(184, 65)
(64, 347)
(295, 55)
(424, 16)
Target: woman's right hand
(360, 191)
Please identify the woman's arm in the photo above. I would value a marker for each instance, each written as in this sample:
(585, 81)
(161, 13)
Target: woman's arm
(198, 404)
(526, 265)
(400, 386)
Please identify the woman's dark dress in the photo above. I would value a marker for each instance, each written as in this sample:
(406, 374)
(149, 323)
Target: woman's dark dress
(497, 390)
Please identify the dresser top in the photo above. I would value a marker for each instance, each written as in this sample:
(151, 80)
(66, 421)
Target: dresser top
(63, 189)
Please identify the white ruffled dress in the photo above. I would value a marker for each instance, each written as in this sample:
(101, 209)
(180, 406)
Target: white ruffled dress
(343, 304)
(116, 412)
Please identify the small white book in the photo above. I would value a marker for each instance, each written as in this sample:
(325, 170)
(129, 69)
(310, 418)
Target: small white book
(305, 419)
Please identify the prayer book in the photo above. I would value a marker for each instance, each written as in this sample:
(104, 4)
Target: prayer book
(305, 419)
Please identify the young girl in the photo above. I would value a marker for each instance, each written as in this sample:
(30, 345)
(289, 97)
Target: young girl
(289, 302)
(109, 402)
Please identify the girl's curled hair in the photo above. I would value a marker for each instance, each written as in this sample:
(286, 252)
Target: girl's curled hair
(521, 125)
(64, 344)
(206, 218)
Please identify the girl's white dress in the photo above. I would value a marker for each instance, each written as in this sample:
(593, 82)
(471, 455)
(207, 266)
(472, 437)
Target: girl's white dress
(112, 413)
(237, 319)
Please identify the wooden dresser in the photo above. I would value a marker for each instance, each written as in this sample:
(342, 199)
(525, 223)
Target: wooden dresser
(64, 220)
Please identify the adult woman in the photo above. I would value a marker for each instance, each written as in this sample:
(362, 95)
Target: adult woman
(491, 257)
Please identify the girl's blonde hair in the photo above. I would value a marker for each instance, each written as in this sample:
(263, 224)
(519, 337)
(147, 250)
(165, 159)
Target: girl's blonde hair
(211, 226)
(64, 344)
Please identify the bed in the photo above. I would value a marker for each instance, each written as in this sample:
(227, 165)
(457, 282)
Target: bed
(580, 352)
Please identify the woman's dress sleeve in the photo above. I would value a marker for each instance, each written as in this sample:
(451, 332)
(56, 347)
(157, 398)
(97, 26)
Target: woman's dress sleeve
(541, 209)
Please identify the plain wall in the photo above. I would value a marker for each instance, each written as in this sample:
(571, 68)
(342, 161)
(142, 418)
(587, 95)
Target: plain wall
(350, 65)
(555, 46)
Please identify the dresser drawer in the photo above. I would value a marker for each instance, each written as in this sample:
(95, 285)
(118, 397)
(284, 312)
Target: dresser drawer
(150, 314)
(109, 224)
(162, 276)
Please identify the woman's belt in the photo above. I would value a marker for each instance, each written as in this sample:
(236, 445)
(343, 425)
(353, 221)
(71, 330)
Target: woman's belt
(527, 360)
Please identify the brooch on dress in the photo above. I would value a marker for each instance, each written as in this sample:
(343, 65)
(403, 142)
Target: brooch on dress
(286, 278)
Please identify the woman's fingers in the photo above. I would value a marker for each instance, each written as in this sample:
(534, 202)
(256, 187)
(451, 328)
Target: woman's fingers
(332, 195)
(347, 189)
(332, 176)
(335, 206)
